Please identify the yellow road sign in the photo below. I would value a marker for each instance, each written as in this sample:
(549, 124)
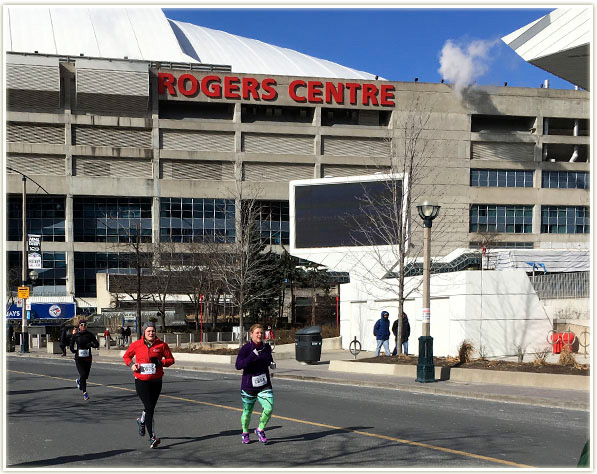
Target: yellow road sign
(23, 292)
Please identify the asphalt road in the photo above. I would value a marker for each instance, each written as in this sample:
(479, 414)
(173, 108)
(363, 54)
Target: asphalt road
(315, 425)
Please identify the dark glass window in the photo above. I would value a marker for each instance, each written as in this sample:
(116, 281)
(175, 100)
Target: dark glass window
(197, 220)
(565, 179)
(51, 279)
(565, 219)
(273, 222)
(111, 219)
(87, 264)
(502, 178)
(508, 219)
(45, 216)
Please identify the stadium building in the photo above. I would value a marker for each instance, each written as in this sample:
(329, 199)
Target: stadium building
(122, 119)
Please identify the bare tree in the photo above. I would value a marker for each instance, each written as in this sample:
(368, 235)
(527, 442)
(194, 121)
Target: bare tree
(244, 264)
(138, 285)
(385, 225)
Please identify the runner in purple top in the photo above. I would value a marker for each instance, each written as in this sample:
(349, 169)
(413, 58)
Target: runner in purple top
(255, 359)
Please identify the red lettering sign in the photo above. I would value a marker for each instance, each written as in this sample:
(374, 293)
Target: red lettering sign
(249, 88)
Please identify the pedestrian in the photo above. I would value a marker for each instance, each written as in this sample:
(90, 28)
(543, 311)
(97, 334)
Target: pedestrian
(81, 344)
(127, 335)
(64, 339)
(269, 334)
(381, 331)
(255, 359)
(107, 338)
(151, 356)
(405, 334)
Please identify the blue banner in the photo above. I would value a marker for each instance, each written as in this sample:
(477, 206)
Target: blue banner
(44, 311)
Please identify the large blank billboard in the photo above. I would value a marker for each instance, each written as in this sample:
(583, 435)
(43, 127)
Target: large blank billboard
(344, 212)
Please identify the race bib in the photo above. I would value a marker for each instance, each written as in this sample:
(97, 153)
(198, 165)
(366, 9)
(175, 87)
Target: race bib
(147, 369)
(259, 380)
(84, 352)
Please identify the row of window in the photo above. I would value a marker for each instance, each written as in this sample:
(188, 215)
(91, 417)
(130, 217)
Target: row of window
(524, 179)
(519, 219)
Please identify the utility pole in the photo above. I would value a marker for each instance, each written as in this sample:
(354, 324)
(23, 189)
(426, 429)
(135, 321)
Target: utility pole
(24, 332)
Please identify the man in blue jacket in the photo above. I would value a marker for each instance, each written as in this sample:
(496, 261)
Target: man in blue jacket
(381, 331)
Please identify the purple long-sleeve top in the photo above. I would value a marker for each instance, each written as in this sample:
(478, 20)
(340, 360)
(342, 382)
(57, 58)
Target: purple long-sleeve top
(253, 365)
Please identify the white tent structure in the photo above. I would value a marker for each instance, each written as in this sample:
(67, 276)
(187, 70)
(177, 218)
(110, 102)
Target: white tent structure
(559, 43)
(146, 34)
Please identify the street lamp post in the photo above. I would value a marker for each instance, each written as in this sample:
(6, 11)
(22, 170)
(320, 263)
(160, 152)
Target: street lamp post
(428, 210)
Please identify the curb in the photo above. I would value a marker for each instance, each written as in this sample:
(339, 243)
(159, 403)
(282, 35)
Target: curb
(518, 379)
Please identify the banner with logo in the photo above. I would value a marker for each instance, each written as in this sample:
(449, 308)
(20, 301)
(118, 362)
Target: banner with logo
(43, 311)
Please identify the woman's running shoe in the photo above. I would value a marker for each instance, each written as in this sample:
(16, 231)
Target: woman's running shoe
(245, 437)
(261, 435)
(141, 427)
(154, 442)
(85, 396)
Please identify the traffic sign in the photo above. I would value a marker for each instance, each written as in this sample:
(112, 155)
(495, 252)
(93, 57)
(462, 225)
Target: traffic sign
(23, 292)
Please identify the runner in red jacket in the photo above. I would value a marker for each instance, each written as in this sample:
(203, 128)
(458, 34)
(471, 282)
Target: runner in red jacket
(151, 356)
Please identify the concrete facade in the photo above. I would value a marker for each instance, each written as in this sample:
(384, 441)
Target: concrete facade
(106, 130)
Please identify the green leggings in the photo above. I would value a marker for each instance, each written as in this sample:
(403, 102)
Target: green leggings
(266, 399)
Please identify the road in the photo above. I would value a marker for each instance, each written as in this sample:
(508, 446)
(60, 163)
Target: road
(48, 424)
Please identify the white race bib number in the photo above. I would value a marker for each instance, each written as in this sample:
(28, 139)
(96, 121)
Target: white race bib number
(259, 380)
(147, 369)
(83, 352)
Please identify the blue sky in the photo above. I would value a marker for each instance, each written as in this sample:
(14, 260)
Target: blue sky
(397, 44)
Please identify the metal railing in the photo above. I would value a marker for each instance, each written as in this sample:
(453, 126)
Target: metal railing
(561, 285)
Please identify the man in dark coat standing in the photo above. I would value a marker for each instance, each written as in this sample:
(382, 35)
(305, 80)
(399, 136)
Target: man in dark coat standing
(405, 334)
(381, 331)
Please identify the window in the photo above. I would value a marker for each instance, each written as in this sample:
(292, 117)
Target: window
(45, 216)
(197, 220)
(502, 245)
(273, 222)
(515, 219)
(87, 264)
(51, 279)
(565, 179)
(111, 219)
(564, 219)
(502, 178)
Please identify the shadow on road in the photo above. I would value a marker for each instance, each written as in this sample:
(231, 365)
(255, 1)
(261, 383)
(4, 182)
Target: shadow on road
(71, 459)
(23, 392)
(315, 435)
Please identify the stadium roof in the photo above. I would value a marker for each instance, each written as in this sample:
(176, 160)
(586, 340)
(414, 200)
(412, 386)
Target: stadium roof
(558, 43)
(146, 34)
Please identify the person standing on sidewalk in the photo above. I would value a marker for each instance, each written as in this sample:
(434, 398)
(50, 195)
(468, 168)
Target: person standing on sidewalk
(151, 356)
(81, 344)
(107, 338)
(405, 334)
(255, 359)
(381, 331)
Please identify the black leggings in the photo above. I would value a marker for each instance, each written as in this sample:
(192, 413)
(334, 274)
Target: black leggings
(149, 392)
(83, 366)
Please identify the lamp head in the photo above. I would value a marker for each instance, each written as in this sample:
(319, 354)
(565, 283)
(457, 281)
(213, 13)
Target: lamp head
(428, 210)
(33, 275)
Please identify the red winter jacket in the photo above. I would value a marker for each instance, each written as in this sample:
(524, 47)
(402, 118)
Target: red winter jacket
(159, 351)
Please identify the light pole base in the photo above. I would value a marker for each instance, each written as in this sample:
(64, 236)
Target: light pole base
(24, 343)
(425, 366)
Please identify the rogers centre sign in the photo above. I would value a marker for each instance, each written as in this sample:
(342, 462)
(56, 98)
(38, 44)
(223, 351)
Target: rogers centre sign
(302, 92)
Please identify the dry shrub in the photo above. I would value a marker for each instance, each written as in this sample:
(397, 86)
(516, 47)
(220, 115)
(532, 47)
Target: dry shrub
(567, 358)
(482, 352)
(541, 354)
(465, 351)
(520, 352)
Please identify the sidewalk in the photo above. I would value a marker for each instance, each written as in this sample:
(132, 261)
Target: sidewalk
(319, 372)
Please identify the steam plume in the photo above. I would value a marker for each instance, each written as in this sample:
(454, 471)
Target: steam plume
(462, 65)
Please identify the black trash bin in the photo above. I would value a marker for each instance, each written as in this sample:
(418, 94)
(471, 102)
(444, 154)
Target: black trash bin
(307, 344)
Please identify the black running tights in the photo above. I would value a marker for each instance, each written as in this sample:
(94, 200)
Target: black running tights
(83, 366)
(149, 392)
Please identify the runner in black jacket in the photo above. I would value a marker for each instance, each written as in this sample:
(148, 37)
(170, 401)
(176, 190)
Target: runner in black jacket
(83, 341)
